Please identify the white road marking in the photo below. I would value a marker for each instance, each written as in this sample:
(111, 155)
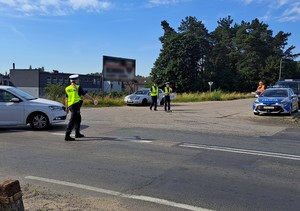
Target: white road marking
(58, 134)
(242, 151)
(140, 141)
(119, 194)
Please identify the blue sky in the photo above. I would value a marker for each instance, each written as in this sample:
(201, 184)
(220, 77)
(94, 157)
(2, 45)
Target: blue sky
(72, 35)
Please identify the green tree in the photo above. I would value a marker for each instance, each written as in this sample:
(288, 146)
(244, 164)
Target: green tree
(182, 57)
(222, 56)
(234, 56)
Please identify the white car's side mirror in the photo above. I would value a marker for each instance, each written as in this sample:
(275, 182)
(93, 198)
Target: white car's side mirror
(15, 100)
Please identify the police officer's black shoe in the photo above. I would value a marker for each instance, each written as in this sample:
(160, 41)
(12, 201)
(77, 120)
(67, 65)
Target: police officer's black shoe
(68, 137)
(79, 135)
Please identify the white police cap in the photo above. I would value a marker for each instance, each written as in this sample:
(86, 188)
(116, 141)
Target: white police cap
(73, 77)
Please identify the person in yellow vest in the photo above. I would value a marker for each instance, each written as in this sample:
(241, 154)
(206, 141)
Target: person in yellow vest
(73, 102)
(154, 95)
(168, 92)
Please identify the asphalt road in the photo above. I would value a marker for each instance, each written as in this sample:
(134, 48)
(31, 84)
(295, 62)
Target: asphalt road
(210, 155)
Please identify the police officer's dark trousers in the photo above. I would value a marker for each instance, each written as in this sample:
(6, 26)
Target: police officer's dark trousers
(75, 118)
(78, 122)
(167, 103)
(154, 102)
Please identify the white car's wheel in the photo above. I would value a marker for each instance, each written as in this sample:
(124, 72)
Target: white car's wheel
(39, 121)
(144, 102)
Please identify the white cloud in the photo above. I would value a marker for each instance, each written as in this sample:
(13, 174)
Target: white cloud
(53, 7)
(8, 2)
(89, 4)
(164, 2)
(247, 1)
(291, 14)
(281, 10)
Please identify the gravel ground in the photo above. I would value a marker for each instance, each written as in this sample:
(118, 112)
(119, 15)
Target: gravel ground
(36, 198)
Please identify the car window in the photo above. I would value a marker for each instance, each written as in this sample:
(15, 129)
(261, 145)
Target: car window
(275, 93)
(141, 92)
(291, 92)
(5, 96)
(21, 93)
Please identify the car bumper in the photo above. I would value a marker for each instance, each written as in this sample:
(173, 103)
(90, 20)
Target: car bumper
(133, 102)
(275, 109)
(58, 116)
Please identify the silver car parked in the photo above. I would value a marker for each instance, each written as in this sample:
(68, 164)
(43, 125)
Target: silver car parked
(142, 97)
(20, 108)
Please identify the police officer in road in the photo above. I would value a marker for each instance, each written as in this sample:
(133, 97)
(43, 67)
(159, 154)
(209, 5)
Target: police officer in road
(167, 91)
(154, 95)
(73, 103)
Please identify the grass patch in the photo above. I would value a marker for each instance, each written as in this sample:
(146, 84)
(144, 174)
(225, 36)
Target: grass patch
(109, 101)
(105, 102)
(213, 96)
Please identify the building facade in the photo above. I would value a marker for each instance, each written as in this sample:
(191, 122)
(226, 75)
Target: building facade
(34, 81)
(4, 80)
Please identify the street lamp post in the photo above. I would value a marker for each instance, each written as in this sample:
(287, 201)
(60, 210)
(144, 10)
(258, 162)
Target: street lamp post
(280, 64)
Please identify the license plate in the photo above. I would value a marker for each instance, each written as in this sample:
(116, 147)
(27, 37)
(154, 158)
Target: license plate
(269, 107)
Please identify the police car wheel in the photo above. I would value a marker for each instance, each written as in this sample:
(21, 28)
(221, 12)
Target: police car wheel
(144, 102)
(291, 110)
(39, 121)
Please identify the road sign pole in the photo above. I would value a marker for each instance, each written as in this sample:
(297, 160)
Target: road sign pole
(210, 83)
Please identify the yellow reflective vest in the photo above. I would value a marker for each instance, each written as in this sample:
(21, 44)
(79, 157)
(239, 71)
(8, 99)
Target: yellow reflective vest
(73, 96)
(168, 91)
(154, 91)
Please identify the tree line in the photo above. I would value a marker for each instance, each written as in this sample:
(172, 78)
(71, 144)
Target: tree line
(233, 56)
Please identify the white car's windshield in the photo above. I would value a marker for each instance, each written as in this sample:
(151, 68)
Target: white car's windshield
(141, 92)
(21, 93)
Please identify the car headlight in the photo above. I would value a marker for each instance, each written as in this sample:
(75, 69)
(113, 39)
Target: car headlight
(285, 101)
(52, 108)
(256, 101)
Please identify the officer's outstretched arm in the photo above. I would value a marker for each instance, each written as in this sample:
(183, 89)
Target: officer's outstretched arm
(66, 104)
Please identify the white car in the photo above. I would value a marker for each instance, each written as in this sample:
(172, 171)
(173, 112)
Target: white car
(20, 108)
(142, 97)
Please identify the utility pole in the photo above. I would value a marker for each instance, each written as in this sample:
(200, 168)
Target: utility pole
(280, 64)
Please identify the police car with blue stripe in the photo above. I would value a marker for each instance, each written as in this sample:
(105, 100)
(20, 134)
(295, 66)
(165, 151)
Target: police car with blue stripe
(276, 100)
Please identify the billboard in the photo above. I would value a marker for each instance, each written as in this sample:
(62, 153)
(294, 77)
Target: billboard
(118, 69)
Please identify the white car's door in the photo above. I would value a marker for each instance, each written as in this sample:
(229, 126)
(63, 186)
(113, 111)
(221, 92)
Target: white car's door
(11, 113)
(161, 94)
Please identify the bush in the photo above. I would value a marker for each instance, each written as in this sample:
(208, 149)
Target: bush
(55, 92)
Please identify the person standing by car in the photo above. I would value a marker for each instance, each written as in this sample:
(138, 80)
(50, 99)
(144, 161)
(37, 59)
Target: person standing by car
(168, 92)
(260, 88)
(73, 103)
(154, 95)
